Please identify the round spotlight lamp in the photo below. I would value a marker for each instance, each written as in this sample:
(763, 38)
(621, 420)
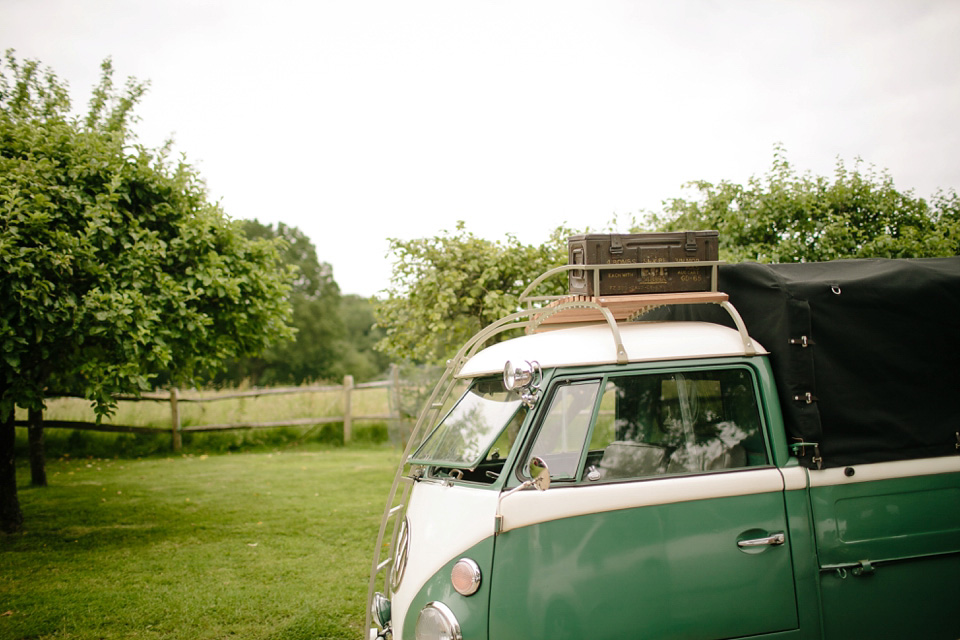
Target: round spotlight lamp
(519, 376)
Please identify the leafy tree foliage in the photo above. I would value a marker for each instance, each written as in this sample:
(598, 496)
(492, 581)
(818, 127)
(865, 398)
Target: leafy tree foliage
(314, 279)
(786, 217)
(315, 300)
(445, 288)
(360, 357)
(333, 332)
(114, 265)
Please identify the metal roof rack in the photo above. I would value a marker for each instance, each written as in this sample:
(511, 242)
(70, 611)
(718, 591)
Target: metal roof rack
(564, 311)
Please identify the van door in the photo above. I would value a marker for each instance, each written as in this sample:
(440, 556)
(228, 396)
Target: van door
(664, 519)
(888, 541)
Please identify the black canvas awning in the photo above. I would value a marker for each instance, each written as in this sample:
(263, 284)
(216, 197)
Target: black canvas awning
(866, 353)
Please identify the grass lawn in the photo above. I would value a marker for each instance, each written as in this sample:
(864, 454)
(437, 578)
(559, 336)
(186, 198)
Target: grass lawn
(254, 545)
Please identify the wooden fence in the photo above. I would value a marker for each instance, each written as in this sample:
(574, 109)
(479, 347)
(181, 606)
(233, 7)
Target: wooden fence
(175, 399)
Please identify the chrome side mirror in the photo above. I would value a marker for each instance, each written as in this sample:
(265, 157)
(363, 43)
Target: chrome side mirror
(524, 379)
(540, 473)
(540, 478)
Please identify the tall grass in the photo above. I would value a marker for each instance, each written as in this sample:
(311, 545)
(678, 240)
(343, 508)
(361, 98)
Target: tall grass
(273, 545)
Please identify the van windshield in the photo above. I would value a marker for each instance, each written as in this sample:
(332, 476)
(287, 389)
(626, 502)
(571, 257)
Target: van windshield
(483, 422)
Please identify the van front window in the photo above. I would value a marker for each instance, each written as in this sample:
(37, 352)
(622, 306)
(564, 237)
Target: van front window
(483, 423)
(565, 427)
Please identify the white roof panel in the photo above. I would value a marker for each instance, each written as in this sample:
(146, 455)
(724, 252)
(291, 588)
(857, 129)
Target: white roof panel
(594, 344)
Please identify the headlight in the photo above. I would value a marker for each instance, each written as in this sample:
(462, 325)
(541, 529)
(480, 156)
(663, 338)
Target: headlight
(465, 577)
(380, 610)
(437, 622)
(400, 555)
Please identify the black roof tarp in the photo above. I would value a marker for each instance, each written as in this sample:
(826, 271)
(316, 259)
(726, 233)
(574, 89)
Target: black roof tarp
(879, 377)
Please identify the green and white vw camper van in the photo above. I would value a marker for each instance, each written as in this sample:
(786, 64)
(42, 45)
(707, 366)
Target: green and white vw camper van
(774, 457)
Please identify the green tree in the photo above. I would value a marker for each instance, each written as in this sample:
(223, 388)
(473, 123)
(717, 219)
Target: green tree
(445, 288)
(360, 357)
(114, 264)
(335, 334)
(316, 351)
(786, 217)
(314, 278)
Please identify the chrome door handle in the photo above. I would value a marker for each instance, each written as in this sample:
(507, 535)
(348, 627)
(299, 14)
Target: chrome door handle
(773, 540)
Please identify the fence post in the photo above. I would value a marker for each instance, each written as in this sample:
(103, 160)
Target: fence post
(347, 422)
(395, 394)
(175, 418)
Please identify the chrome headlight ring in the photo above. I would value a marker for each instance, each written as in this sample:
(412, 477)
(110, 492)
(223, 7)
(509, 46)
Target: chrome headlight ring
(380, 610)
(437, 622)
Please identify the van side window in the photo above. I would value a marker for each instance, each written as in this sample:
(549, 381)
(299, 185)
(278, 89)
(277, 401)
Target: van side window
(669, 423)
(565, 427)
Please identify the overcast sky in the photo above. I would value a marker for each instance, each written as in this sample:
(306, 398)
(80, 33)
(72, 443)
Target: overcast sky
(361, 120)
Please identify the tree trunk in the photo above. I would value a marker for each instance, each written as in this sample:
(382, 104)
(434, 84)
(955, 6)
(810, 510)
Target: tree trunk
(38, 460)
(11, 518)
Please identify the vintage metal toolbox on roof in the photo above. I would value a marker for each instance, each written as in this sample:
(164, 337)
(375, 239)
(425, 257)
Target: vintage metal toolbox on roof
(611, 249)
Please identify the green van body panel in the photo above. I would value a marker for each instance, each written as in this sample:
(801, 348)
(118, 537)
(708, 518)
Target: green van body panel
(770, 408)
(806, 570)
(913, 599)
(674, 567)
(662, 571)
(874, 538)
(471, 611)
(887, 520)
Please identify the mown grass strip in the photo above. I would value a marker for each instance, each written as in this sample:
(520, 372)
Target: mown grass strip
(270, 545)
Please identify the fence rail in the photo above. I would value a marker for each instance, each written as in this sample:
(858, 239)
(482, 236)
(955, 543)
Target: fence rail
(176, 429)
